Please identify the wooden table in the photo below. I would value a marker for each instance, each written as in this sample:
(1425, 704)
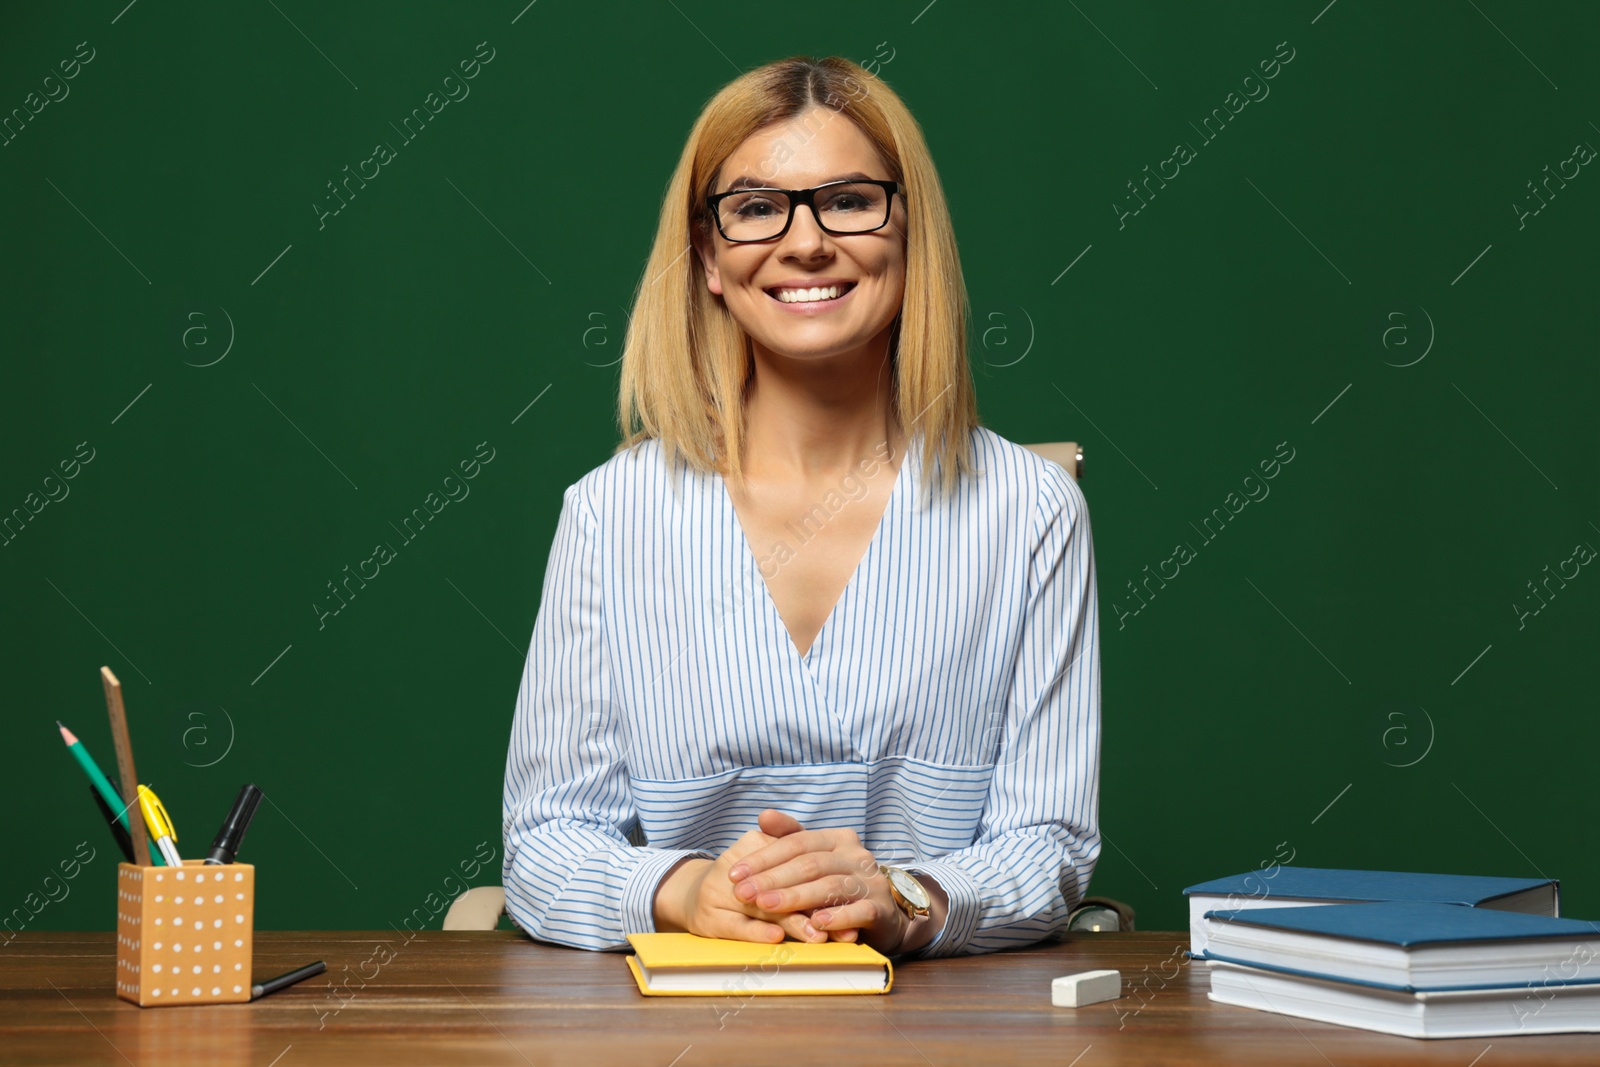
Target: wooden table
(496, 998)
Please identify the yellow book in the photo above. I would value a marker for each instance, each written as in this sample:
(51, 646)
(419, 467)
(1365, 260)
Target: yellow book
(687, 965)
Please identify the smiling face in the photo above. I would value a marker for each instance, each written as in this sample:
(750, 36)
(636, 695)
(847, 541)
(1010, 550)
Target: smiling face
(869, 268)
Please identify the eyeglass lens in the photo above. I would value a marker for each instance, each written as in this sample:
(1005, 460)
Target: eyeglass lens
(849, 207)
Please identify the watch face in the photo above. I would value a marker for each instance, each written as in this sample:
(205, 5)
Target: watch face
(909, 888)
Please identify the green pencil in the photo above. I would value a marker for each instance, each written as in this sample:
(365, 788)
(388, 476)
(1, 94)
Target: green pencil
(102, 784)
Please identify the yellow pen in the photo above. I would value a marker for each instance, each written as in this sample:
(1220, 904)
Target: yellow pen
(160, 824)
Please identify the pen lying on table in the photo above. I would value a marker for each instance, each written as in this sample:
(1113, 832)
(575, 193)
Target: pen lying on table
(272, 985)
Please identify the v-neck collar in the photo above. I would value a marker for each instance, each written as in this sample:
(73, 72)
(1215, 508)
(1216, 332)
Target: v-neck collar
(902, 496)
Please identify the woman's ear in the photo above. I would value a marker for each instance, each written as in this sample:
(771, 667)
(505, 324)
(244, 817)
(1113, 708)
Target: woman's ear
(708, 260)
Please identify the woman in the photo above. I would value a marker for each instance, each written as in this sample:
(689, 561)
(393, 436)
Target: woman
(816, 654)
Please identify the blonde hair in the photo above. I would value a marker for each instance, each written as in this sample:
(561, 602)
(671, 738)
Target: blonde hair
(686, 363)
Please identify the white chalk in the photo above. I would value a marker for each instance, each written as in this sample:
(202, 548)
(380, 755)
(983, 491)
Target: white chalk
(1081, 990)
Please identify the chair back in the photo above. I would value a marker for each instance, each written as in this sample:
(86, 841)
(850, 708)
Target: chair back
(1067, 453)
(479, 908)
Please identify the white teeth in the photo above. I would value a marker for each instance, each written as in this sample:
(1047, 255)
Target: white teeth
(805, 296)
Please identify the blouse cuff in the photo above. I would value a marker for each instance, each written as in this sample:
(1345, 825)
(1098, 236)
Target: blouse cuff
(966, 902)
(639, 889)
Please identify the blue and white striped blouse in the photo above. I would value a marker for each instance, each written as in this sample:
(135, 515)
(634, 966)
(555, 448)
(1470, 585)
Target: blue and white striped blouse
(948, 710)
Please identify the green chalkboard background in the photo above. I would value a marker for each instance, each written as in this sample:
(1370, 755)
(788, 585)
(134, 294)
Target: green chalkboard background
(1354, 266)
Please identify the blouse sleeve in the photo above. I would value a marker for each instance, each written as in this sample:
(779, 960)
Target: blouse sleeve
(1039, 834)
(571, 875)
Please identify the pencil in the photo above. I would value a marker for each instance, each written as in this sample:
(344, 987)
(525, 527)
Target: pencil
(92, 769)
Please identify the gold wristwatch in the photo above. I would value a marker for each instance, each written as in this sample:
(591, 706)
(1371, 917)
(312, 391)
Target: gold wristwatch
(910, 894)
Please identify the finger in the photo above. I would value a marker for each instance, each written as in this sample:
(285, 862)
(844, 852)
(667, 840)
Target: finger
(748, 842)
(795, 924)
(739, 927)
(865, 912)
(776, 823)
(744, 846)
(807, 867)
(823, 892)
(782, 850)
(844, 935)
(800, 928)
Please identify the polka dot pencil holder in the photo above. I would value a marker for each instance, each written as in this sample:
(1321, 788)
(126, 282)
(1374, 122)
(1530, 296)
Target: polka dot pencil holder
(184, 934)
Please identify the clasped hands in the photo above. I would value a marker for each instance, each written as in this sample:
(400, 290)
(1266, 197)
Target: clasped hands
(782, 879)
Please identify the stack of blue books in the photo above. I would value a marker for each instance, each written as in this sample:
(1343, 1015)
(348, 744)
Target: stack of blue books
(1416, 966)
(1280, 886)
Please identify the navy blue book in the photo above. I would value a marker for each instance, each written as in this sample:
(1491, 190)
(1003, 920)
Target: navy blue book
(1409, 946)
(1278, 886)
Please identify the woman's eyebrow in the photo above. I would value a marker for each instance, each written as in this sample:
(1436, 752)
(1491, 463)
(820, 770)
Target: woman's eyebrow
(747, 182)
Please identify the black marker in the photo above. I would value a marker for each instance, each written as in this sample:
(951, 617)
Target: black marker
(272, 985)
(226, 846)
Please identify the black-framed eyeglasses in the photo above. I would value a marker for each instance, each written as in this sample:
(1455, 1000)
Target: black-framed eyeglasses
(847, 207)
